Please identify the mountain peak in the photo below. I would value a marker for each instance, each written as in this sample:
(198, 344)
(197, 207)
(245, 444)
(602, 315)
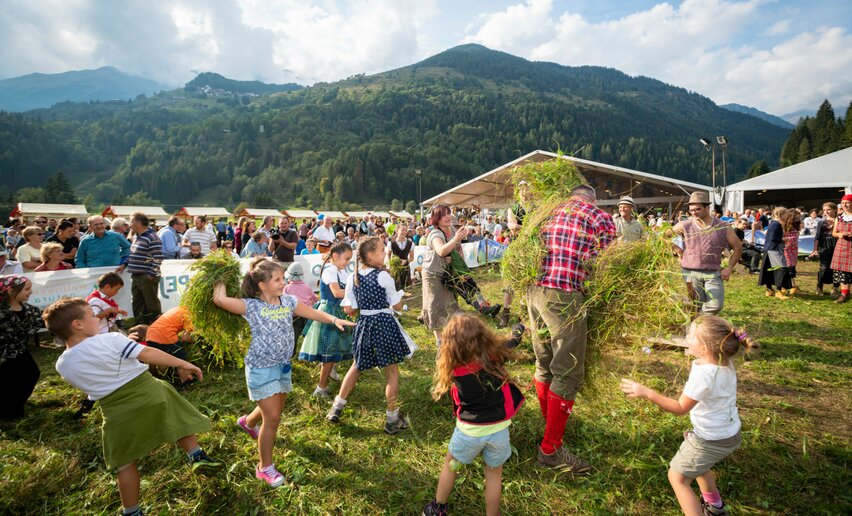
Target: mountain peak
(42, 90)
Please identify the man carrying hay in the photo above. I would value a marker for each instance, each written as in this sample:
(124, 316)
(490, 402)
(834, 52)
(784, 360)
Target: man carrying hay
(704, 239)
(574, 235)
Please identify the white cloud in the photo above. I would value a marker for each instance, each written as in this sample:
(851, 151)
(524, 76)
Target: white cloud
(272, 40)
(720, 48)
(690, 45)
(778, 28)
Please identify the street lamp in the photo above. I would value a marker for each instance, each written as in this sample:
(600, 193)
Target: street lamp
(723, 142)
(710, 147)
(419, 175)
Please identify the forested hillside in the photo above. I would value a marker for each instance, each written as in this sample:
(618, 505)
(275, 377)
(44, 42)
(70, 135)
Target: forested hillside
(816, 136)
(358, 142)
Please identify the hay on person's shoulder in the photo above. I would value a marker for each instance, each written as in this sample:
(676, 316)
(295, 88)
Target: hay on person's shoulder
(225, 336)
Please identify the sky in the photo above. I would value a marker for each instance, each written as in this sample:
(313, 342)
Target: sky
(779, 56)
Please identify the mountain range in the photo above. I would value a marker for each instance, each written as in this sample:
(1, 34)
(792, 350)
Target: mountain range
(772, 119)
(41, 90)
(358, 142)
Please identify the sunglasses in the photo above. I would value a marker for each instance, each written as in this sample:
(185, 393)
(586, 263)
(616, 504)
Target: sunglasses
(41, 222)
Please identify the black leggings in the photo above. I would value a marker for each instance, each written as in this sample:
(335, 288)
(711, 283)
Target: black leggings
(18, 377)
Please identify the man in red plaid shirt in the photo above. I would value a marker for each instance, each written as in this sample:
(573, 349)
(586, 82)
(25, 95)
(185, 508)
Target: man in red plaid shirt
(576, 232)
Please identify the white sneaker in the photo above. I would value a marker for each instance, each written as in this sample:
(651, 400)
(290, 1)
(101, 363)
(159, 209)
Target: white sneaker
(321, 393)
(334, 376)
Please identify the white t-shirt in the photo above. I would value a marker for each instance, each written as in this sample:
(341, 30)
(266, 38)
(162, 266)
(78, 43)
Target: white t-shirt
(385, 281)
(324, 234)
(332, 274)
(203, 237)
(99, 305)
(715, 389)
(27, 253)
(101, 364)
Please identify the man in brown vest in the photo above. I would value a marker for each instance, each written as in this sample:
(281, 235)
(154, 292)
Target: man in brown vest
(704, 239)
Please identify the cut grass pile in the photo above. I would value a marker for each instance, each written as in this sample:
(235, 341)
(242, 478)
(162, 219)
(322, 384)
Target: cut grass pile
(794, 400)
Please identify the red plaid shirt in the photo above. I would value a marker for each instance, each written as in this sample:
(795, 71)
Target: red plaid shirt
(575, 234)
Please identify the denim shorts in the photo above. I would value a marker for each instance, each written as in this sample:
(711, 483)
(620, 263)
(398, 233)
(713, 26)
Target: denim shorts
(264, 382)
(495, 448)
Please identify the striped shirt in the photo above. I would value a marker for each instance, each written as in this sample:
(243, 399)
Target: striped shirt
(146, 254)
(574, 235)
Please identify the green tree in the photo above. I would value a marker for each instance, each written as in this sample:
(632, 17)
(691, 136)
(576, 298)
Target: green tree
(59, 190)
(411, 207)
(758, 169)
(396, 205)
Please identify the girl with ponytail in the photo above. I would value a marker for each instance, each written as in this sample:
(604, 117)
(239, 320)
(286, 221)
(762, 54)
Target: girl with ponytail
(379, 340)
(710, 399)
(324, 343)
(269, 313)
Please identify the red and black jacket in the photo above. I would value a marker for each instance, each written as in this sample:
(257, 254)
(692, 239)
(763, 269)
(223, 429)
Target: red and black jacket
(480, 398)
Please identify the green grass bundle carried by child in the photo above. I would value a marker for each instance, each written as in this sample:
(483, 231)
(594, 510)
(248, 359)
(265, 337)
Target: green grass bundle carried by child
(269, 313)
(710, 398)
(139, 412)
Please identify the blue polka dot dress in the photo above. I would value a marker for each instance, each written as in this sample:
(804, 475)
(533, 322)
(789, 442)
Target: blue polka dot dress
(378, 340)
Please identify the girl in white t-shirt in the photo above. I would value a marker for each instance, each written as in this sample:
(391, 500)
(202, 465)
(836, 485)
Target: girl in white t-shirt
(710, 398)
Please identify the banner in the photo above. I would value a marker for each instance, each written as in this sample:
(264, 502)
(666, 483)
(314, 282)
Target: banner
(475, 254)
(174, 276)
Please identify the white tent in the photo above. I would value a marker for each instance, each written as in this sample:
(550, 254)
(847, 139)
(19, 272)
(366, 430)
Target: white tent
(30, 210)
(211, 213)
(809, 183)
(156, 214)
(382, 214)
(335, 215)
(258, 213)
(494, 189)
(300, 214)
(402, 214)
(358, 214)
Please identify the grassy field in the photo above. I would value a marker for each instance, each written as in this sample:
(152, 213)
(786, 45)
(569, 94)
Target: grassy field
(794, 400)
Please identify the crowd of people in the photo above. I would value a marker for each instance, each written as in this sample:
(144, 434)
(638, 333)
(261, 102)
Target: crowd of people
(354, 318)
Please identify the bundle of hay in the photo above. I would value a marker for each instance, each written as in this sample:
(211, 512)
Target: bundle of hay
(225, 336)
(634, 289)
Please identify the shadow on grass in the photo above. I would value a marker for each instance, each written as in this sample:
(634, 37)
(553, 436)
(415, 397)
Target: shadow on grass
(783, 350)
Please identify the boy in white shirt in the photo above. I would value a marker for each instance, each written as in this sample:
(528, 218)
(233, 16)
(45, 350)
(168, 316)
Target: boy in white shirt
(139, 412)
(102, 303)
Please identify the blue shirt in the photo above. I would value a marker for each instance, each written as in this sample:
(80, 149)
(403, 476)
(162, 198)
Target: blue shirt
(171, 242)
(105, 251)
(272, 336)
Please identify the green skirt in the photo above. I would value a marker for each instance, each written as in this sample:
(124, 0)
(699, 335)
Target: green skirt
(143, 414)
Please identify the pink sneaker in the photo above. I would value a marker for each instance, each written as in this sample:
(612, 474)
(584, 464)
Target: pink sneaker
(253, 432)
(270, 475)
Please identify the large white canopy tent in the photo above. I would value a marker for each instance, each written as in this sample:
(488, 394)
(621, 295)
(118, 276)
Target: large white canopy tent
(190, 212)
(156, 214)
(809, 184)
(495, 189)
(29, 210)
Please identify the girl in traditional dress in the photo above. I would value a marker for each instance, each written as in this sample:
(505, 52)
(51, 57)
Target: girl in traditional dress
(379, 339)
(323, 342)
(824, 243)
(841, 263)
(773, 270)
(792, 224)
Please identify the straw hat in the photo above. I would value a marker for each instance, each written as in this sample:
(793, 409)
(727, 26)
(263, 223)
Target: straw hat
(699, 198)
(627, 200)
